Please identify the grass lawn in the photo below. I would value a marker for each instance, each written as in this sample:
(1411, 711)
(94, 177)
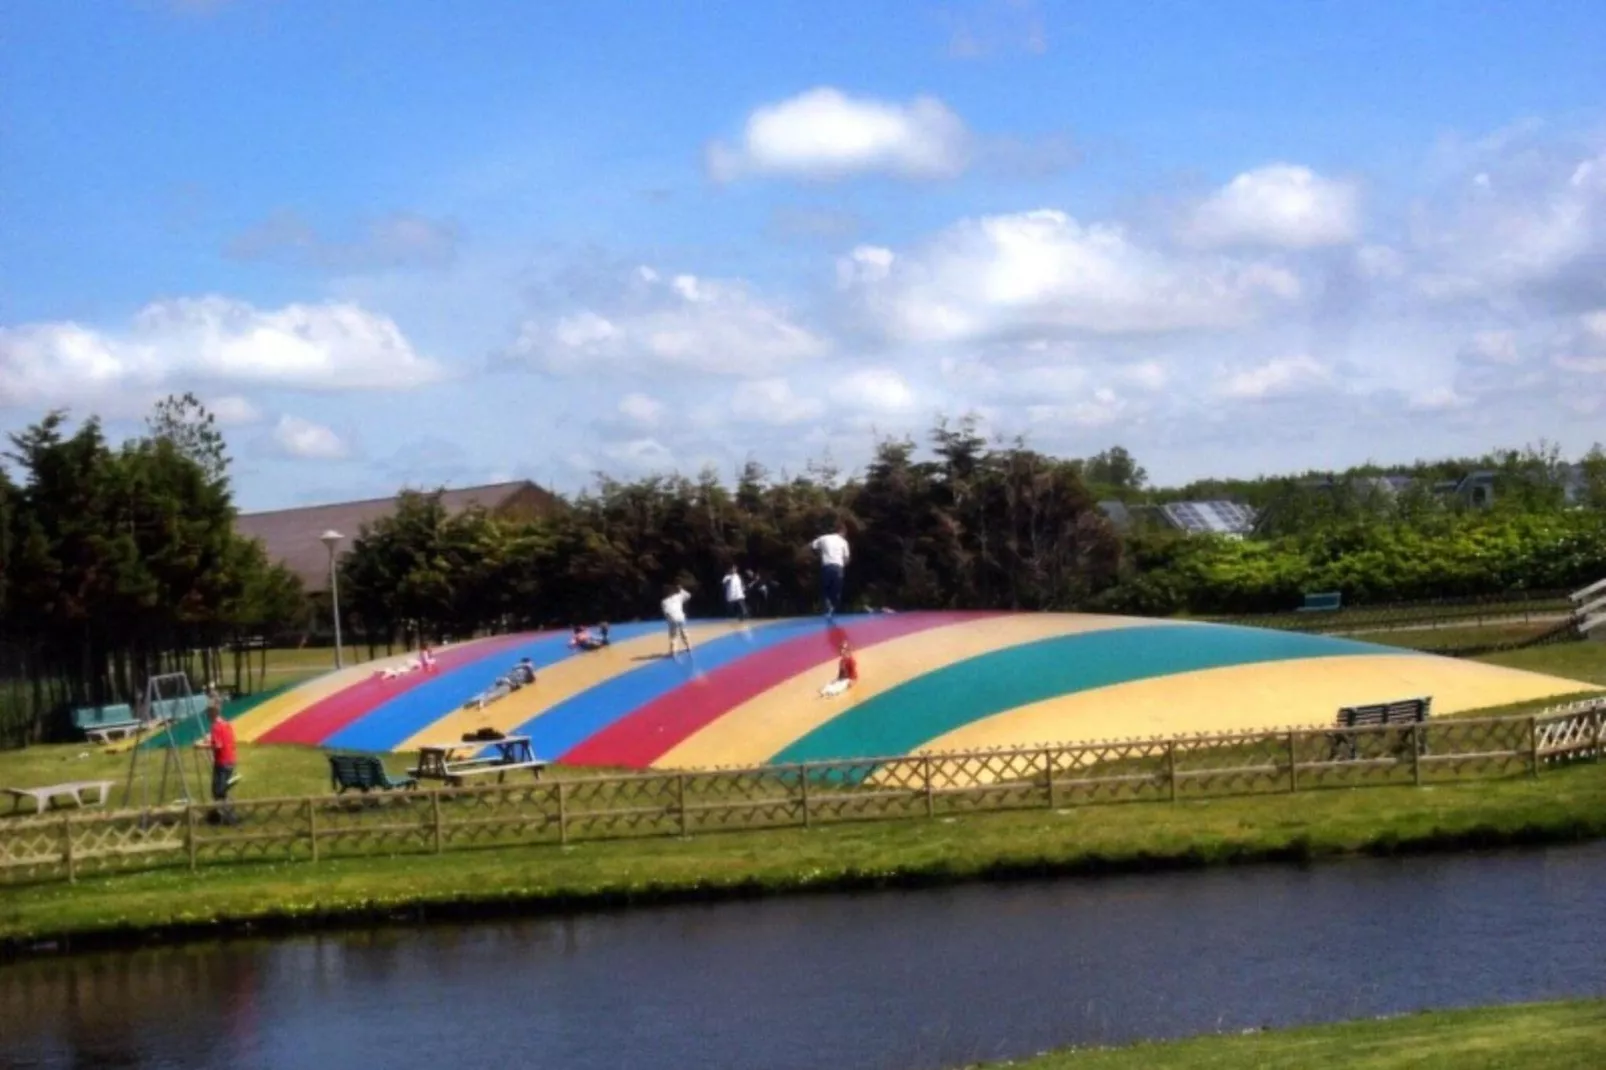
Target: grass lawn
(1565, 804)
(1450, 638)
(1540, 1036)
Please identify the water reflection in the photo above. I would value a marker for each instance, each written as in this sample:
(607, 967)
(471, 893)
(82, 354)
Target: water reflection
(905, 980)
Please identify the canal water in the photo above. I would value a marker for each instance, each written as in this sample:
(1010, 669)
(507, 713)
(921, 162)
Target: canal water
(885, 981)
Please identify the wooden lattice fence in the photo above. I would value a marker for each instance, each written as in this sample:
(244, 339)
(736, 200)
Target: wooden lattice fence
(558, 811)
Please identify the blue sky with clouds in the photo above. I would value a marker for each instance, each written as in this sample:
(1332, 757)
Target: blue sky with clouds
(412, 242)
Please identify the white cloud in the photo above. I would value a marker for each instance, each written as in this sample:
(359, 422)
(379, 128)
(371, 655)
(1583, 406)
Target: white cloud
(640, 455)
(403, 239)
(1102, 409)
(878, 390)
(824, 133)
(641, 409)
(687, 324)
(304, 439)
(772, 401)
(231, 410)
(1277, 378)
(1283, 206)
(209, 340)
(1043, 273)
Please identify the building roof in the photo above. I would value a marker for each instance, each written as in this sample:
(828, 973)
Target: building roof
(291, 536)
(1217, 517)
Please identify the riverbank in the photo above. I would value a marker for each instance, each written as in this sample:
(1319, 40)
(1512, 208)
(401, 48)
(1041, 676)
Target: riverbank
(1538, 1036)
(1564, 805)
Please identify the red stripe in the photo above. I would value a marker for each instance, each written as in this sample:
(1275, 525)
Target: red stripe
(648, 733)
(330, 714)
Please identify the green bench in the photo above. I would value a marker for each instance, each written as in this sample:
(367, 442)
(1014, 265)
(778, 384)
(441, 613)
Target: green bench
(1322, 601)
(365, 773)
(103, 723)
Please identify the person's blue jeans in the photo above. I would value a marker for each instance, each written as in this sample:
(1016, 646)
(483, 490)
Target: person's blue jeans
(221, 775)
(831, 587)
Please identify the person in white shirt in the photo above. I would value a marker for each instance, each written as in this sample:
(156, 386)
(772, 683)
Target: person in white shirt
(735, 594)
(674, 606)
(834, 556)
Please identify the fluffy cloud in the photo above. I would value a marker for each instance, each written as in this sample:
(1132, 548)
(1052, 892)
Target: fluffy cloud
(309, 441)
(684, 324)
(1282, 206)
(641, 410)
(1043, 273)
(1281, 377)
(232, 410)
(874, 390)
(772, 401)
(208, 340)
(1526, 223)
(400, 240)
(826, 134)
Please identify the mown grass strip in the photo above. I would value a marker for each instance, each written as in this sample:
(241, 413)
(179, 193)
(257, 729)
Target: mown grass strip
(1538, 1036)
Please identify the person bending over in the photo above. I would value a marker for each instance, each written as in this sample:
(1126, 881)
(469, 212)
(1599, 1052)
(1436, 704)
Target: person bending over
(847, 674)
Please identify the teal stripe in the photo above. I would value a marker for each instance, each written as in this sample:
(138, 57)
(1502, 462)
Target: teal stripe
(900, 720)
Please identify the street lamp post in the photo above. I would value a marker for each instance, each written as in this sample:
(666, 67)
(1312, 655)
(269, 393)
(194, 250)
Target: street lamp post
(332, 539)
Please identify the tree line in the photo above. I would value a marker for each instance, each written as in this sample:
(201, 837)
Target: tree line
(120, 562)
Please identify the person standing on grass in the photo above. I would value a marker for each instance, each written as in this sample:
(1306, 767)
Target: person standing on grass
(735, 594)
(220, 741)
(674, 607)
(834, 557)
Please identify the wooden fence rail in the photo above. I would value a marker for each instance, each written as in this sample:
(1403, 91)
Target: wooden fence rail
(691, 802)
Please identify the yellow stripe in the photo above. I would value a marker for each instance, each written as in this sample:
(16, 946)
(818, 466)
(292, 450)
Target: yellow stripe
(259, 720)
(1307, 691)
(761, 727)
(554, 684)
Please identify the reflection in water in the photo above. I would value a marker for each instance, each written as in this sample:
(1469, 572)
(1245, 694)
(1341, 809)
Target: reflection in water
(892, 980)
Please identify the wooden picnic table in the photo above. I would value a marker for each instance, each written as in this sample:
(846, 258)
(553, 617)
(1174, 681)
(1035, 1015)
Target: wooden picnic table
(41, 796)
(436, 760)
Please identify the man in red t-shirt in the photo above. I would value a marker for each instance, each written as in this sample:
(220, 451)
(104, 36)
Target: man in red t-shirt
(847, 673)
(220, 741)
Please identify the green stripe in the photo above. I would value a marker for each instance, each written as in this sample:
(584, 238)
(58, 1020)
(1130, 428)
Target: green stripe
(900, 720)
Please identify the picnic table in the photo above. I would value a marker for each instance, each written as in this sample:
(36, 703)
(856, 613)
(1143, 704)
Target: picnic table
(41, 796)
(439, 761)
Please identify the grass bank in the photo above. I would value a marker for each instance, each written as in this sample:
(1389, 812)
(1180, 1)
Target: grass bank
(1537, 1036)
(1563, 805)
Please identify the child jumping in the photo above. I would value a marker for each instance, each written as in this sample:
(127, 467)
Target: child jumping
(674, 607)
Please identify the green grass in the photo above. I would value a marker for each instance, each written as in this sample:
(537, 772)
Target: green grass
(1566, 804)
(1540, 1036)
(1450, 638)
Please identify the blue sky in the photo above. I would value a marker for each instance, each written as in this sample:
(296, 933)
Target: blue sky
(408, 242)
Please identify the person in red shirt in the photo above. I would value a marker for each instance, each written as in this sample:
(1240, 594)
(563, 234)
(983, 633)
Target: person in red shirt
(847, 673)
(220, 741)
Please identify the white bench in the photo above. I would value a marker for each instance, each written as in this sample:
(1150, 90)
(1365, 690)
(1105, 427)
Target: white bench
(457, 771)
(108, 732)
(42, 796)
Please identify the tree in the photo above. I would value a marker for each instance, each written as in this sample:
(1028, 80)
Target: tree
(1116, 470)
(183, 421)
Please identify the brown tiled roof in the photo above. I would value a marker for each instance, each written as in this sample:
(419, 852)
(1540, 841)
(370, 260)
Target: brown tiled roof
(291, 536)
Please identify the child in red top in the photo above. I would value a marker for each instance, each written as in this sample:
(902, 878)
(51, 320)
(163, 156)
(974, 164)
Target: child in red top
(220, 741)
(847, 674)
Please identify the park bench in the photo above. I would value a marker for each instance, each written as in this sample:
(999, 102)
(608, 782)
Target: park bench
(1322, 601)
(42, 796)
(1410, 711)
(365, 773)
(99, 724)
(437, 761)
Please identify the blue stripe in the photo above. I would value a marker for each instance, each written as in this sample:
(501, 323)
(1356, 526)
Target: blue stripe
(557, 730)
(397, 719)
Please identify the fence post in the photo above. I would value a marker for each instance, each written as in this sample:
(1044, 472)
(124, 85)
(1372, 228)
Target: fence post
(680, 800)
(435, 819)
(1416, 754)
(563, 814)
(1293, 763)
(66, 847)
(931, 799)
(312, 828)
(1048, 775)
(1171, 768)
(803, 784)
(1533, 745)
(189, 834)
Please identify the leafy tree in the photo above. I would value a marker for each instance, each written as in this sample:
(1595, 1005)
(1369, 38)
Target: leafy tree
(192, 429)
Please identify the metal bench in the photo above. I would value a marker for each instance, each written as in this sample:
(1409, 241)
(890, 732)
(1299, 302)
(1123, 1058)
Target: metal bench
(365, 773)
(102, 723)
(1409, 711)
(42, 796)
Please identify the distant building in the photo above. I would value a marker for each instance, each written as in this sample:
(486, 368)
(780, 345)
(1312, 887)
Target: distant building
(1214, 518)
(291, 536)
(1476, 489)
